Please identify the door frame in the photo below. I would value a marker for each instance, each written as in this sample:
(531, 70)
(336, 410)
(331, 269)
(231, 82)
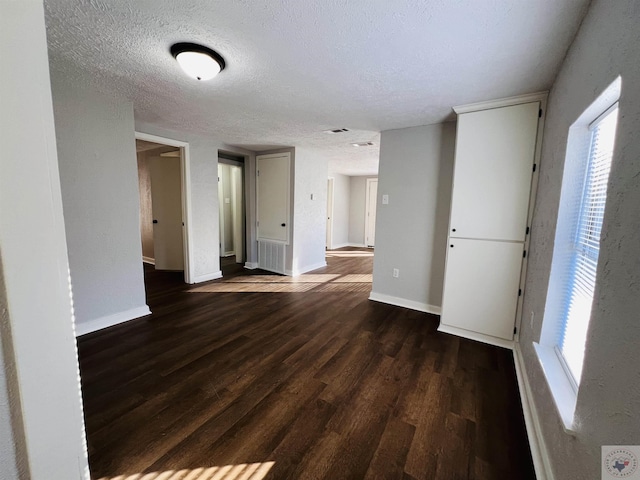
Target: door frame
(185, 171)
(367, 202)
(330, 213)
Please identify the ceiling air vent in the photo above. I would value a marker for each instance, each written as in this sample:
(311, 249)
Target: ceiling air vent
(337, 130)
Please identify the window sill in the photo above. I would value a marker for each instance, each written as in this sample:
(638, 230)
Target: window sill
(562, 391)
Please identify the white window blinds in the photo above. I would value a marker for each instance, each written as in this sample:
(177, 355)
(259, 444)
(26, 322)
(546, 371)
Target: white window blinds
(586, 244)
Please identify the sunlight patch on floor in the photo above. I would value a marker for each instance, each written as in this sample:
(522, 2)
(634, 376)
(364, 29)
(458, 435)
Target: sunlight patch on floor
(318, 282)
(348, 254)
(253, 287)
(307, 278)
(244, 471)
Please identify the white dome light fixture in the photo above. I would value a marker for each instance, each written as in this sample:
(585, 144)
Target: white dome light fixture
(197, 61)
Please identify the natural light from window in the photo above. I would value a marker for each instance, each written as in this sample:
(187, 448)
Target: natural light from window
(586, 246)
(244, 471)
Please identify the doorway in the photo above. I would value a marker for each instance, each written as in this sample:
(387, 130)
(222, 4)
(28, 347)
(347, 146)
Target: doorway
(231, 205)
(163, 183)
(370, 218)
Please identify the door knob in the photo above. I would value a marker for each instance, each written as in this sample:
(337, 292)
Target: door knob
(155, 221)
(283, 224)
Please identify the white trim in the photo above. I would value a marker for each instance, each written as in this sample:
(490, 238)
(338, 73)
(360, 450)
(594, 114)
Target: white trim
(82, 328)
(149, 260)
(367, 202)
(502, 102)
(251, 265)
(562, 390)
(309, 268)
(539, 452)
(329, 235)
(478, 337)
(207, 277)
(339, 245)
(404, 303)
(185, 172)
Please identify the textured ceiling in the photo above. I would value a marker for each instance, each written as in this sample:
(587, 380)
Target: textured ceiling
(296, 68)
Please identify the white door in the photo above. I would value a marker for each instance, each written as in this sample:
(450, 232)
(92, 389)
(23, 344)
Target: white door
(166, 200)
(370, 220)
(273, 197)
(493, 169)
(329, 213)
(481, 286)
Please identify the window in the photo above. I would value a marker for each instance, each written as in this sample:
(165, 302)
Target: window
(572, 282)
(586, 245)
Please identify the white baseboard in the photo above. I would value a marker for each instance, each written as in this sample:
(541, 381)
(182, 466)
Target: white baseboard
(309, 268)
(343, 245)
(403, 302)
(82, 328)
(251, 265)
(207, 277)
(340, 245)
(539, 452)
(478, 337)
(149, 260)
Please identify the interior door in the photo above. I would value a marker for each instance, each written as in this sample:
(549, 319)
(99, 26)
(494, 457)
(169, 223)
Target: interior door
(166, 200)
(372, 195)
(273, 197)
(481, 286)
(493, 169)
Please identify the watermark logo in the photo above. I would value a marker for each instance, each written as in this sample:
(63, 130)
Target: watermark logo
(620, 461)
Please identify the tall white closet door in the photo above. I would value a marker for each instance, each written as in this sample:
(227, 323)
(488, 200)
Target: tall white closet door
(273, 197)
(481, 286)
(493, 168)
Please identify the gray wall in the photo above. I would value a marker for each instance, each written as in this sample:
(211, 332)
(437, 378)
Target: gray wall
(416, 171)
(341, 205)
(358, 209)
(309, 216)
(99, 180)
(608, 407)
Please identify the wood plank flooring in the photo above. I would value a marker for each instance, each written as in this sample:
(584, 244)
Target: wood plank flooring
(238, 383)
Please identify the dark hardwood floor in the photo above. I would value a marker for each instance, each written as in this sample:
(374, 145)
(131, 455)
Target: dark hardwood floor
(256, 375)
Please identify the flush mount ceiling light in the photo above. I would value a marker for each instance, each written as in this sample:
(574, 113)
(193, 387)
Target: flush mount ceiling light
(197, 61)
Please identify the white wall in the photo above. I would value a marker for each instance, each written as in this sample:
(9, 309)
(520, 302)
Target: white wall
(341, 207)
(358, 210)
(39, 358)
(608, 407)
(99, 180)
(416, 171)
(309, 215)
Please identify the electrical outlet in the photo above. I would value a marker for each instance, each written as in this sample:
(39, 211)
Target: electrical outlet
(396, 273)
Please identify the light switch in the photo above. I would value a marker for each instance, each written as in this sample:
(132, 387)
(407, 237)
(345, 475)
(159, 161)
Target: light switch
(227, 200)
(385, 199)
